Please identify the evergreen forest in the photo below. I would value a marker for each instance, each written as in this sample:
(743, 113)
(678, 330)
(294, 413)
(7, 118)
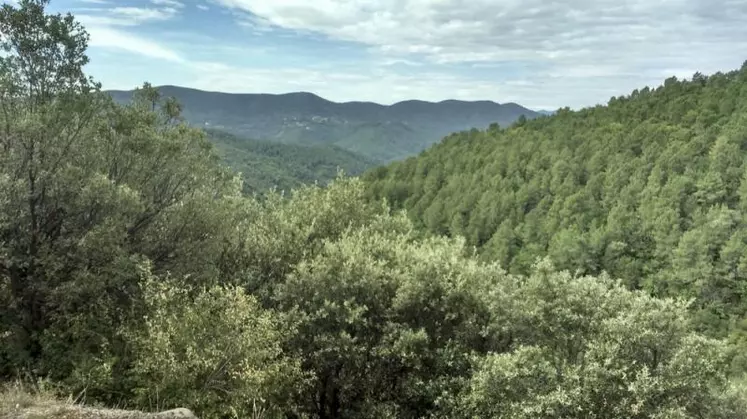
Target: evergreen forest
(266, 165)
(651, 189)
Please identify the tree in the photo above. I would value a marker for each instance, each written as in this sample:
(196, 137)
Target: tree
(89, 189)
(130, 262)
(386, 324)
(213, 349)
(611, 188)
(47, 103)
(587, 347)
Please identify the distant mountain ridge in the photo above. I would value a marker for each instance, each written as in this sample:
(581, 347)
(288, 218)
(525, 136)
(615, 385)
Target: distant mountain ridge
(378, 132)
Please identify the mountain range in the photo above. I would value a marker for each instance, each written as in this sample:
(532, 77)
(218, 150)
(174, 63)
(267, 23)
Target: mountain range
(379, 133)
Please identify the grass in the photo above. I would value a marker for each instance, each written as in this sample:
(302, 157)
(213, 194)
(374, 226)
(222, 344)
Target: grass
(18, 401)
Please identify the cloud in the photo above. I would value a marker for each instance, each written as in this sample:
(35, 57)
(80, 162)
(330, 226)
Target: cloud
(104, 26)
(112, 38)
(170, 3)
(386, 61)
(255, 23)
(140, 14)
(120, 15)
(571, 35)
(538, 53)
(380, 84)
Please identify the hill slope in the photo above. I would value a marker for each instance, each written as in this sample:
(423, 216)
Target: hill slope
(266, 165)
(651, 188)
(379, 132)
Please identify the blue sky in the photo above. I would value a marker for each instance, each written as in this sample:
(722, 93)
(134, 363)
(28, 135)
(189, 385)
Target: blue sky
(538, 53)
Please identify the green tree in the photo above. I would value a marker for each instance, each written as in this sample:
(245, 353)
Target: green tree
(213, 349)
(622, 188)
(47, 103)
(386, 323)
(586, 347)
(89, 189)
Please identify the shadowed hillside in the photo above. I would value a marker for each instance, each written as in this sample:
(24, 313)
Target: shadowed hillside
(265, 164)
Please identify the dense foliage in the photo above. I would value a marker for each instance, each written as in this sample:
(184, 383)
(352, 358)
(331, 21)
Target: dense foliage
(265, 165)
(651, 188)
(134, 272)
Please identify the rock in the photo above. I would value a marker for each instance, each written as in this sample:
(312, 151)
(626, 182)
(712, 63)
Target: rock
(180, 413)
(79, 412)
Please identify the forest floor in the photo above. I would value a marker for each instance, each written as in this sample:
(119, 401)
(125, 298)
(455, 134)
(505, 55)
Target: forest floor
(17, 403)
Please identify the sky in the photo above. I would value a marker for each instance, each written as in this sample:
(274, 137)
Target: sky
(538, 53)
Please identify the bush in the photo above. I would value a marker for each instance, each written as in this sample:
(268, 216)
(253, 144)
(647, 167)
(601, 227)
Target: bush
(587, 347)
(214, 350)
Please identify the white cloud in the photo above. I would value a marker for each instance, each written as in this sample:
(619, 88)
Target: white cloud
(537, 53)
(128, 15)
(140, 14)
(111, 38)
(103, 25)
(585, 38)
(170, 3)
(256, 24)
(386, 61)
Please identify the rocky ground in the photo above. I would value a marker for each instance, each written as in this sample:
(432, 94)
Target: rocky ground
(19, 404)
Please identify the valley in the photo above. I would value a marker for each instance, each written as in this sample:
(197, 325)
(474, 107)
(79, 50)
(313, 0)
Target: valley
(267, 165)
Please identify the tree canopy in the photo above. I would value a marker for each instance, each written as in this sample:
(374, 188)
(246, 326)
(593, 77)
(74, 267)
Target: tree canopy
(266, 165)
(649, 188)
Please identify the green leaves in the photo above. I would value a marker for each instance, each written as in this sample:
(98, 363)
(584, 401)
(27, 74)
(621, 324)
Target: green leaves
(89, 189)
(384, 320)
(46, 54)
(586, 347)
(647, 189)
(213, 349)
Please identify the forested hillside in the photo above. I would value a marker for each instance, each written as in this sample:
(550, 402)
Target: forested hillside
(651, 188)
(134, 273)
(265, 165)
(379, 133)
